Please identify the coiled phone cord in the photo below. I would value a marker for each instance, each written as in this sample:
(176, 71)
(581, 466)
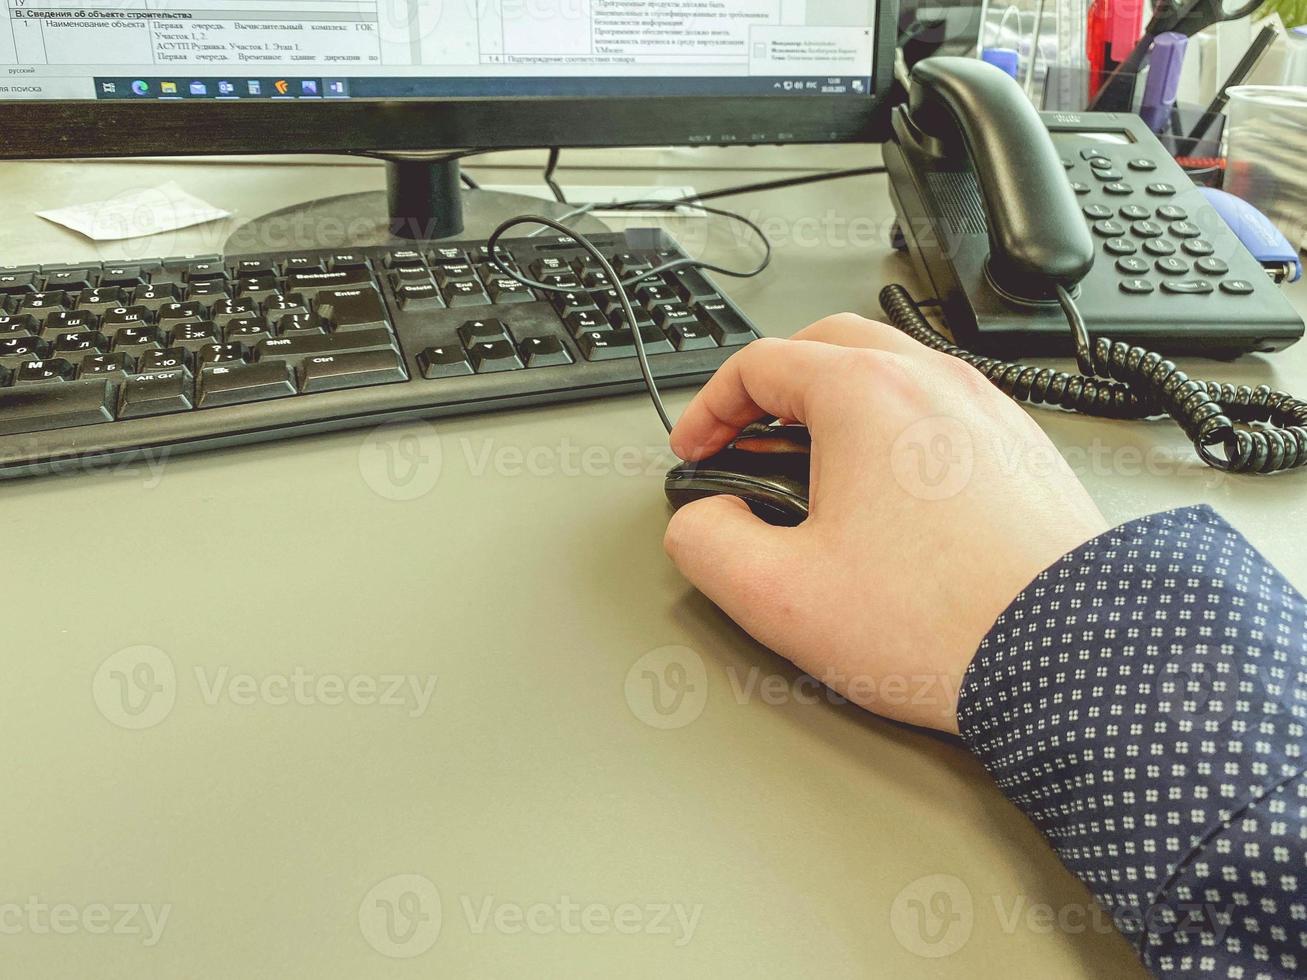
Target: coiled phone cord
(1234, 428)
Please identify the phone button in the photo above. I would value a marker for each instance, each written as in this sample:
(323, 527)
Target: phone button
(1136, 286)
(1132, 265)
(1147, 229)
(1185, 229)
(1092, 154)
(1198, 246)
(1121, 246)
(1211, 267)
(1160, 189)
(1172, 266)
(1159, 246)
(1135, 212)
(1109, 229)
(1172, 212)
(1107, 174)
(1117, 187)
(1187, 286)
(1100, 163)
(1079, 188)
(1097, 211)
(1237, 287)
(1141, 163)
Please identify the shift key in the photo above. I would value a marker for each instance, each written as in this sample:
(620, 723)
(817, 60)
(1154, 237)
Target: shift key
(319, 344)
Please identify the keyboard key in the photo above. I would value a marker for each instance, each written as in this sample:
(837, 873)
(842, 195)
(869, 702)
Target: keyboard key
(88, 342)
(160, 393)
(302, 263)
(69, 321)
(17, 283)
(414, 272)
(352, 309)
(544, 352)
(248, 330)
(312, 345)
(609, 344)
(424, 297)
(198, 268)
(667, 314)
(347, 261)
(690, 285)
(459, 294)
(630, 264)
(499, 355)
(233, 309)
(74, 280)
(44, 302)
(56, 370)
(444, 362)
(153, 297)
(447, 255)
(455, 272)
(572, 302)
(586, 320)
(238, 384)
(98, 300)
(13, 349)
(182, 313)
(163, 361)
(655, 295)
(194, 337)
(111, 367)
(402, 256)
(332, 372)
(124, 316)
(217, 354)
(290, 324)
(208, 289)
(482, 332)
(312, 283)
(690, 335)
(727, 327)
(122, 275)
(43, 407)
(505, 290)
(18, 326)
(618, 318)
(250, 268)
(259, 288)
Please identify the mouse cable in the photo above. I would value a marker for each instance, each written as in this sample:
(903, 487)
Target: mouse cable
(551, 164)
(1238, 429)
(628, 311)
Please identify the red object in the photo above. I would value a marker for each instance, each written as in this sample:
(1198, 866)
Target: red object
(1097, 38)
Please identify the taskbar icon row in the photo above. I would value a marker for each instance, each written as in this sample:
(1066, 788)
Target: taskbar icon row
(222, 88)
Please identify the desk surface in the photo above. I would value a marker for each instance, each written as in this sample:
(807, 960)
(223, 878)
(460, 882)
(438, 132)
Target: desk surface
(519, 805)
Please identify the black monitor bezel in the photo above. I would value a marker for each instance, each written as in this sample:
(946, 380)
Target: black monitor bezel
(117, 128)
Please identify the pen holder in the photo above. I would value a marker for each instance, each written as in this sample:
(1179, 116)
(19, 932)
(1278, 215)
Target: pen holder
(1266, 136)
(1201, 156)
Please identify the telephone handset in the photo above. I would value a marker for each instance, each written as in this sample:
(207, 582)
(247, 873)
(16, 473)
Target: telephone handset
(1078, 233)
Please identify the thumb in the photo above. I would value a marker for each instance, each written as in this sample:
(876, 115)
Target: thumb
(737, 560)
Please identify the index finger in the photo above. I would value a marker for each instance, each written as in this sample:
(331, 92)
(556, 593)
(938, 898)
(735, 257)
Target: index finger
(767, 377)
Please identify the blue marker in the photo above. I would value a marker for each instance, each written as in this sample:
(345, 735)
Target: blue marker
(1164, 63)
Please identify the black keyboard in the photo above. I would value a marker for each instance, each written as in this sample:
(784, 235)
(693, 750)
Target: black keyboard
(102, 362)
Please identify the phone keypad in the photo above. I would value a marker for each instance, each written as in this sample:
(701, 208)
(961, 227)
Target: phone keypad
(1152, 244)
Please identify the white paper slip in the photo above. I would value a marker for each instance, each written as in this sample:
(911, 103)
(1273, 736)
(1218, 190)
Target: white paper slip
(136, 214)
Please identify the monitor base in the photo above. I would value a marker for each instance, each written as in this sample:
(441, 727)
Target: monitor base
(423, 202)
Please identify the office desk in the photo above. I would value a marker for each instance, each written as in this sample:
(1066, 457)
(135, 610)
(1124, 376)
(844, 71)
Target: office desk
(519, 805)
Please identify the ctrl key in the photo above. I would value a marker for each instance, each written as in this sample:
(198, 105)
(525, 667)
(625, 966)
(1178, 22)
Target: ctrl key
(161, 393)
(37, 408)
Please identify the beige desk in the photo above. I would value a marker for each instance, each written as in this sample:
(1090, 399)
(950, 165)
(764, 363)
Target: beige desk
(537, 816)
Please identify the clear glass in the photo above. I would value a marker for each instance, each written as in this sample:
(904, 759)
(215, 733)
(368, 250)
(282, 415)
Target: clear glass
(1266, 143)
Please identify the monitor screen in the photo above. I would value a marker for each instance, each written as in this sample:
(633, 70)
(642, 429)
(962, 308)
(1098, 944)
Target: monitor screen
(268, 50)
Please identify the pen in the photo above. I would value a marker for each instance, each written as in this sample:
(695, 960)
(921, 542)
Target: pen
(1164, 64)
(1241, 71)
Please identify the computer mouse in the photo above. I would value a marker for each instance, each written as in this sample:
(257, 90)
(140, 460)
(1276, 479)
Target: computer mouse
(766, 466)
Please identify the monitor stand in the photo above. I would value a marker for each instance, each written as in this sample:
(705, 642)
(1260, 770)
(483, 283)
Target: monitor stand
(424, 201)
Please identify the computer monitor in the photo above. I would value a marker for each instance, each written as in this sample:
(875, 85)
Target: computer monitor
(404, 77)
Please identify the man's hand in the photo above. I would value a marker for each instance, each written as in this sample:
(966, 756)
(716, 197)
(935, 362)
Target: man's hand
(935, 500)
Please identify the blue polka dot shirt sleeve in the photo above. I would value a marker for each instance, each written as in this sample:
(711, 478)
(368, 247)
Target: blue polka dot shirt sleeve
(1144, 702)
